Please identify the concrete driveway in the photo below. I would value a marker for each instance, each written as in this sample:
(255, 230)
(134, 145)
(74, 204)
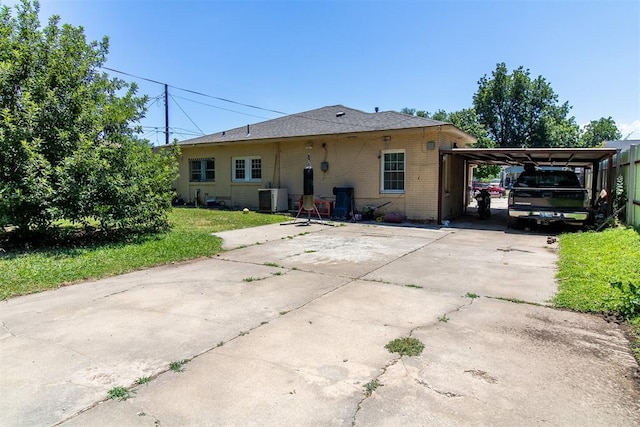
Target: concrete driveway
(289, 326)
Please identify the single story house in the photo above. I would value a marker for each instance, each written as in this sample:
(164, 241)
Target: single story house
(387, 158)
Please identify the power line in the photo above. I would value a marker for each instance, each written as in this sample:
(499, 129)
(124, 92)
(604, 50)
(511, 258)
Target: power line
(196, 92)
(220, 108)
(185, 113)
(161, 129)
(298, 115)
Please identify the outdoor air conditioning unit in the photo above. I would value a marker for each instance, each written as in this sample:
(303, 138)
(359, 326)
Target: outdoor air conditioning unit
(273, 200)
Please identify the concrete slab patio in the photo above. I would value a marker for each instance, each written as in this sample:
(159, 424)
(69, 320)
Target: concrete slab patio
(289, 325)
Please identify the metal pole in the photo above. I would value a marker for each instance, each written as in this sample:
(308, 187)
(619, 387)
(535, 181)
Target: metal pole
(166, 114)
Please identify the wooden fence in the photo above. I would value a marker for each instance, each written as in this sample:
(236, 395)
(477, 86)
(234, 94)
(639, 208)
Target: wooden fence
(627, 164)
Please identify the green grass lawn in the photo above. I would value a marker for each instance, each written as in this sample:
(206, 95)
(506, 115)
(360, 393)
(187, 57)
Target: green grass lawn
(590, 262)
(23, 272)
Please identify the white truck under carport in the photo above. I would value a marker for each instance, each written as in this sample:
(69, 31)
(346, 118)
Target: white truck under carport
(547, 196)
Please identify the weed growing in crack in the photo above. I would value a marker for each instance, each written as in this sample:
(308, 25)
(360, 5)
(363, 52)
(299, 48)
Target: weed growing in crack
(444, 318)
(310, 251)
(277, 273)
(271, 264)
(513, 300)
(143, 380)
(371, 386)
(472, 295)
(243, 333)
(220, 344)
(405, 346)
(283, 312)
(413, 286)
(178, 366)
(119, 393)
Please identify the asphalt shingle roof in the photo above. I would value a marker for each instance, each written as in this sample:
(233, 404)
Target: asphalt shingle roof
(621, 145)
(329, 120)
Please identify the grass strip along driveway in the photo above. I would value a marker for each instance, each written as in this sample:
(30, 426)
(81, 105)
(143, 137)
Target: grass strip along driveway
(599, 273)
(24, 271)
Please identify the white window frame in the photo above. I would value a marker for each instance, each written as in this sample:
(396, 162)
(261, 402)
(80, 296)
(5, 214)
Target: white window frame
(248, 169)
(383, 162)
(203, 169)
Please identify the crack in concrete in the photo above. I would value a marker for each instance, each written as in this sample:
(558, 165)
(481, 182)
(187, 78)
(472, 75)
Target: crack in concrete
(399, 358)
(510, 249)
(440, 392)
(110, 295)
(367, 394)
(54, 343)
(156, 421)
(9, 331)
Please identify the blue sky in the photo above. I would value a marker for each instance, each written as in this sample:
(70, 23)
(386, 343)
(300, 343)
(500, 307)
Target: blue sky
(293, 56)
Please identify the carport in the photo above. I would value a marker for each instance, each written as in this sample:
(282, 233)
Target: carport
(591, 159)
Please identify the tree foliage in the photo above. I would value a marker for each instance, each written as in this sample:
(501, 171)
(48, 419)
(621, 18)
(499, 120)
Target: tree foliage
(68, 145)
(598, 131)
(519, 111)
(466, 120)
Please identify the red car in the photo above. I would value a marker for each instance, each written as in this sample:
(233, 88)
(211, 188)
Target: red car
(496, 190)
(477, 186)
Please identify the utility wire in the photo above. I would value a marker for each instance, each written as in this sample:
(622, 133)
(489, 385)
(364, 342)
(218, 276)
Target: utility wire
(299, 115)
(220, 108)
(196, 92)
(185, 113)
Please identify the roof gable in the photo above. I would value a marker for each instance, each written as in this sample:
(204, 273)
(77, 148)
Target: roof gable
(329, 120)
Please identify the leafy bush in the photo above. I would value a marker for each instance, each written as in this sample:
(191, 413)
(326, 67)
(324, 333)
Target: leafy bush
(620, 199)
(68, 145)
(628, 304)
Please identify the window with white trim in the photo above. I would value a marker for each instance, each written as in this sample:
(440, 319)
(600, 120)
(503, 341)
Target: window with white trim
(247, 169)
(202, 170)
(393, 171)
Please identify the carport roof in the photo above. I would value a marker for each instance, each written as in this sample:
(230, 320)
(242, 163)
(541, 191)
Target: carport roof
(578, 157)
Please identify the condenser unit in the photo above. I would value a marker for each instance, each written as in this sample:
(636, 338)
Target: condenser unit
(273, 200)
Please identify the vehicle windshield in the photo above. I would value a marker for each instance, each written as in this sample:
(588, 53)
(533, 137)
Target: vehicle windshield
(541, 178)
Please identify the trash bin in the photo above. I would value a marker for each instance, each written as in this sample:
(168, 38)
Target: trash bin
(344, 206)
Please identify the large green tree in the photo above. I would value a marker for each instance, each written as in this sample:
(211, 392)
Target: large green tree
(68, 145)
(598, 131)
(519, 111)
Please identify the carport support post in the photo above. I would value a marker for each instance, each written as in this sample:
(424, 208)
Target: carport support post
(631, 185)
(609, 184)
(467, 183)
(595, 180)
